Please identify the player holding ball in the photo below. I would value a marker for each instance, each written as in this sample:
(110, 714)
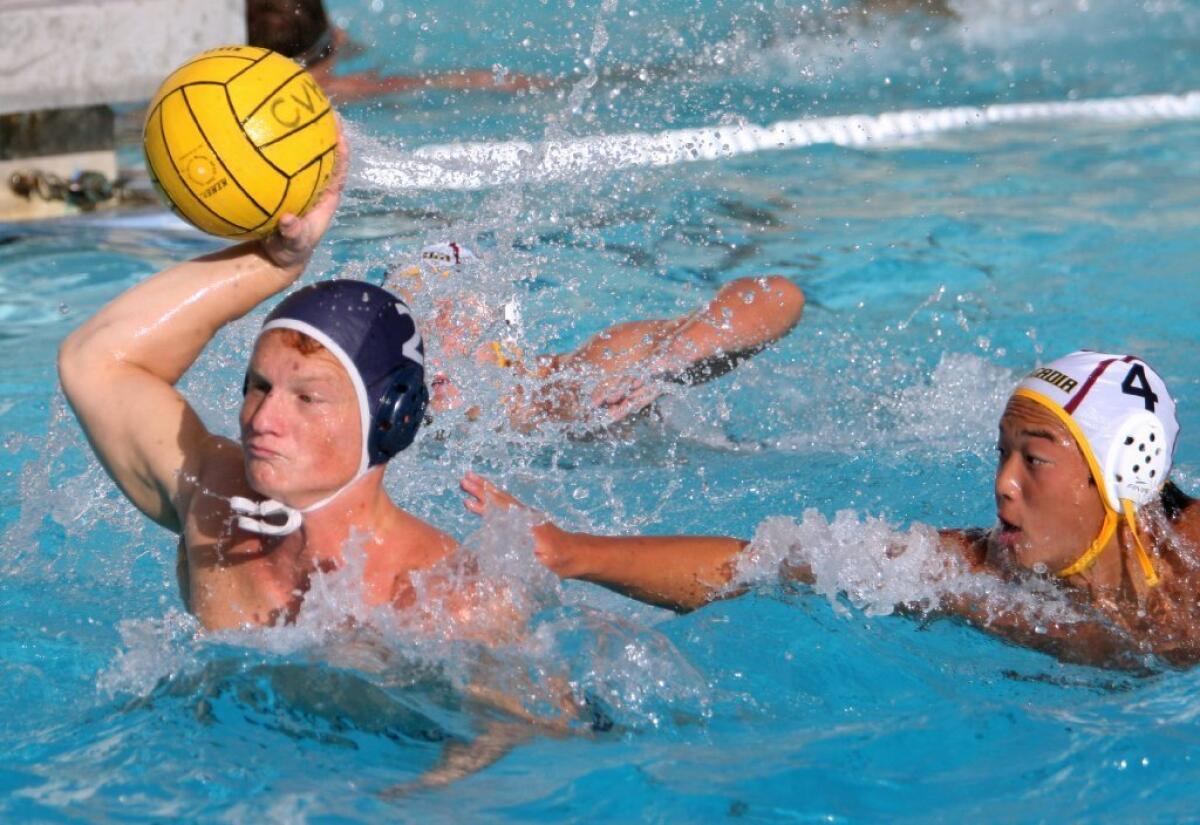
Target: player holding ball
(242, 144)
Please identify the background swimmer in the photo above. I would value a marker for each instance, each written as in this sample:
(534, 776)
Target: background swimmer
(615, 373)
(301, 29)
(1081, 492)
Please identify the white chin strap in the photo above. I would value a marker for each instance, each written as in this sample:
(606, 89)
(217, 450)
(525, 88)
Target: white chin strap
(262, 517)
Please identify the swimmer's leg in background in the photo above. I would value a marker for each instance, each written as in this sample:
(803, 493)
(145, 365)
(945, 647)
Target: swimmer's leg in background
(498, 736)
(744, 316)
(461, 759)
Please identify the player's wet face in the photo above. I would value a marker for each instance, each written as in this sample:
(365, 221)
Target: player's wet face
(300, 423)
(1049, 510)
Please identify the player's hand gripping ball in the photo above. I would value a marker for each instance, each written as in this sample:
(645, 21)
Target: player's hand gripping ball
(238, 136)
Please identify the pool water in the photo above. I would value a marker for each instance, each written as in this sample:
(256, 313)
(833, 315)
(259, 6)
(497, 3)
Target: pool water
(937, 272)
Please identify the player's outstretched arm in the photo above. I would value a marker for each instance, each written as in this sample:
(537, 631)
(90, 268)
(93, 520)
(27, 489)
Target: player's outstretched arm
(118, 369)
(680, 573)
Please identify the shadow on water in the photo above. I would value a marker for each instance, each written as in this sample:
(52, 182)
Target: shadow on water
(311, 702)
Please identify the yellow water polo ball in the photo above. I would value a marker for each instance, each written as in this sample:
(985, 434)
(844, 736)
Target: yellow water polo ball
(238, 136)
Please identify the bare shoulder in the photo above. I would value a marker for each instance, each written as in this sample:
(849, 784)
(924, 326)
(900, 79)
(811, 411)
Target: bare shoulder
(411, 545)
(425, 543)
(970, 545)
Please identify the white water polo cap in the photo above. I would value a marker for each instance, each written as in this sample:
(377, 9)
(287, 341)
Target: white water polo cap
(445, 258)
(446, 255)
(441, 259)
(1123, 418)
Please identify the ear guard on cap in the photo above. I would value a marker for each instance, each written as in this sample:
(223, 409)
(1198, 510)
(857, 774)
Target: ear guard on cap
(1137, 462)
(400, 413)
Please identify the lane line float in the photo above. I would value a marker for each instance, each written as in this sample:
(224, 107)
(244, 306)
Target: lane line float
(482, 165)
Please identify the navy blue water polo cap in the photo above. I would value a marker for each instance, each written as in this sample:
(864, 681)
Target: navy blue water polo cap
(374, 336)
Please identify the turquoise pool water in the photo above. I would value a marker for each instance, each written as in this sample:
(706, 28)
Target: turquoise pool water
(937, 271)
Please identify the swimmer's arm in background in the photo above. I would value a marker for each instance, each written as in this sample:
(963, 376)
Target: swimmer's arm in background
(350, 88)
(744, 316)
(118, 369)
(633, 359)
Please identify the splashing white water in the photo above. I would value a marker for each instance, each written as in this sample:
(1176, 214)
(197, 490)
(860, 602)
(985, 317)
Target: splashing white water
(151, 650)
(869, 565)
(952, 407)
(956, 406)
(520, 645)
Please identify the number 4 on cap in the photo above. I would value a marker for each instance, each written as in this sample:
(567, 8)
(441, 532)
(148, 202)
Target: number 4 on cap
(1135, 383)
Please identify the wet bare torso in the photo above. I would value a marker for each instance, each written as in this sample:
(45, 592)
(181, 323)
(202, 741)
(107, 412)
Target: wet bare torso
(230, 577)
(1134, 619)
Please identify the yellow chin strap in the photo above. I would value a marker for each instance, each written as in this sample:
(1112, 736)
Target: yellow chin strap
(1094, 549)
(415, 272)
(1111, 517)
(507, 355)
(1142, 555)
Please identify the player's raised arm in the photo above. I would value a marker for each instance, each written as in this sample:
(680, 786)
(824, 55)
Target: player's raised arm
(118, 369)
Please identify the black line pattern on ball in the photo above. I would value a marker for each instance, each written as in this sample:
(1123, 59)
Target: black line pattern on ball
(288, 188)
(316, 179)
(297, 130)
(228, 171)
(266, 53)
(272, 94)
(150, 116)
(162, 193)
(171, 159)
(197, 60)
(265, 159)
(206, 56)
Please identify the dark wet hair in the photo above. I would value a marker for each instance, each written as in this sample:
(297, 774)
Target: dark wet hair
(1173, 500)
(290, 27)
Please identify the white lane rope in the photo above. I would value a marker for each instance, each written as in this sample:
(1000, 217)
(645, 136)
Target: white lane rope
(470, 166)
